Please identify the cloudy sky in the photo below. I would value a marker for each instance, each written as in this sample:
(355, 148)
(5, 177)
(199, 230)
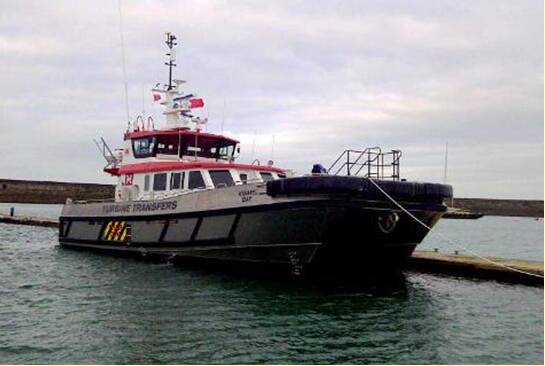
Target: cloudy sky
(319, 76)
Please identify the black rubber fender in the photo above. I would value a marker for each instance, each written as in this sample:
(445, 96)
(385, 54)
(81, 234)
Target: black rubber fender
(360, 187)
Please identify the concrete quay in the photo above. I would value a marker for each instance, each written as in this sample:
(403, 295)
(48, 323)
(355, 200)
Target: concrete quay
(469, 266)
(32, 221)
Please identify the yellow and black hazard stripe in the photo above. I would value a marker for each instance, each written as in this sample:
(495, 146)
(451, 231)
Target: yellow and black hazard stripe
(116, 231)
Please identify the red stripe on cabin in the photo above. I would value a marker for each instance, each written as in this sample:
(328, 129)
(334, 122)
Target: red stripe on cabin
(166, 166)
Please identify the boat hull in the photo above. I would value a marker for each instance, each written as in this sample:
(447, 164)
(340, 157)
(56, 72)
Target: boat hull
(307, 232)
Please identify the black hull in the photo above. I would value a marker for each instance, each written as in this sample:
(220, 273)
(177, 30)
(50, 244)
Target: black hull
(323, 237)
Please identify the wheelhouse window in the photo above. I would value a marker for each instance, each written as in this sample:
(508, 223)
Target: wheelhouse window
(184, 144)
(160, 182)
(281, 176)
(144, 147)
(195, 180)
(167, 145)
(146, 183)
(176, 180)
(226, 152)
(266, 176)
(221, 178)
(244, 178)
(207, 147)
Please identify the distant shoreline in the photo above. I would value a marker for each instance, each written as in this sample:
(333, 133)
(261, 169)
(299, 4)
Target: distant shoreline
(49, 192)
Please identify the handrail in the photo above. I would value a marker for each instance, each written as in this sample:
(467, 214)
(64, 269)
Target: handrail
(353, 161)
(106, 152)
(347, 153)
(348, 163)
(369, 160)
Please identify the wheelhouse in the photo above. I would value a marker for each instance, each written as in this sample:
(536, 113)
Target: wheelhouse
(179, 158)
(182, 144)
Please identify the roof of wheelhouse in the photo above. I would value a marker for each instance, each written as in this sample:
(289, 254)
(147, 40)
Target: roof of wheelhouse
(181, 132)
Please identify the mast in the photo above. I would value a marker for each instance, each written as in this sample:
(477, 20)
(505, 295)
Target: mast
(177, 105)
(171, 42)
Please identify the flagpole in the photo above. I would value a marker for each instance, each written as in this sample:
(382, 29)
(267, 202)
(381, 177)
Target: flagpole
(179, 144)
(196, 132)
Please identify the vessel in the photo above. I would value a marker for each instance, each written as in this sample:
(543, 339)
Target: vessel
(181, 195)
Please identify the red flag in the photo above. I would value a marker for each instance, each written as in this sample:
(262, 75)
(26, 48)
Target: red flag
(196, 103)
(156, 97)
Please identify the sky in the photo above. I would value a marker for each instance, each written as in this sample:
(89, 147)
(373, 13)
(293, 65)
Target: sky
(317, 77)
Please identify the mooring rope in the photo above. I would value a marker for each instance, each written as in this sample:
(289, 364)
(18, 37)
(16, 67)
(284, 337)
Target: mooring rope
(450, 241)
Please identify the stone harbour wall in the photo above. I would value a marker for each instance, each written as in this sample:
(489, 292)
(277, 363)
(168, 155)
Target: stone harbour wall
(500, 207)
(26, 191)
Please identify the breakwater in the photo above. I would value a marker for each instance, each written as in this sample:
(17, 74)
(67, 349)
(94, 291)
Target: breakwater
(27, 191)
(46, 192)
(500, 207)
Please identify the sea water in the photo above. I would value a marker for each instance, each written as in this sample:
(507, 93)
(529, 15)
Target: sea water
(65, 306)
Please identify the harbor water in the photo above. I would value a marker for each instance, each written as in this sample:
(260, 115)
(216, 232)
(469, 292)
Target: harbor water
(64, 306)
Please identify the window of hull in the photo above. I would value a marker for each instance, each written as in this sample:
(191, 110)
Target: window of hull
(266, 176)
(221, 178)
(160, 182)
(146, 183)
(176, 180)
(195, 180)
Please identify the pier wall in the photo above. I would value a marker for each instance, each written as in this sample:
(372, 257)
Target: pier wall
(500, 207)
(26, 191)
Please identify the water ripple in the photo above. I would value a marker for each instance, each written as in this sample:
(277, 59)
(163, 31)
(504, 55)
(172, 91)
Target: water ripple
(61, 306)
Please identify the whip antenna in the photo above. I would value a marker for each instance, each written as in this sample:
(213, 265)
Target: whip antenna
(223, 116)
(253, 146)
(143, 103)
(446, 160)
(272, 147)
(123, 61)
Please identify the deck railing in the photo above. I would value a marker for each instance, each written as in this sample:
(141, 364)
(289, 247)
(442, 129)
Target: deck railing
(370, 162)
